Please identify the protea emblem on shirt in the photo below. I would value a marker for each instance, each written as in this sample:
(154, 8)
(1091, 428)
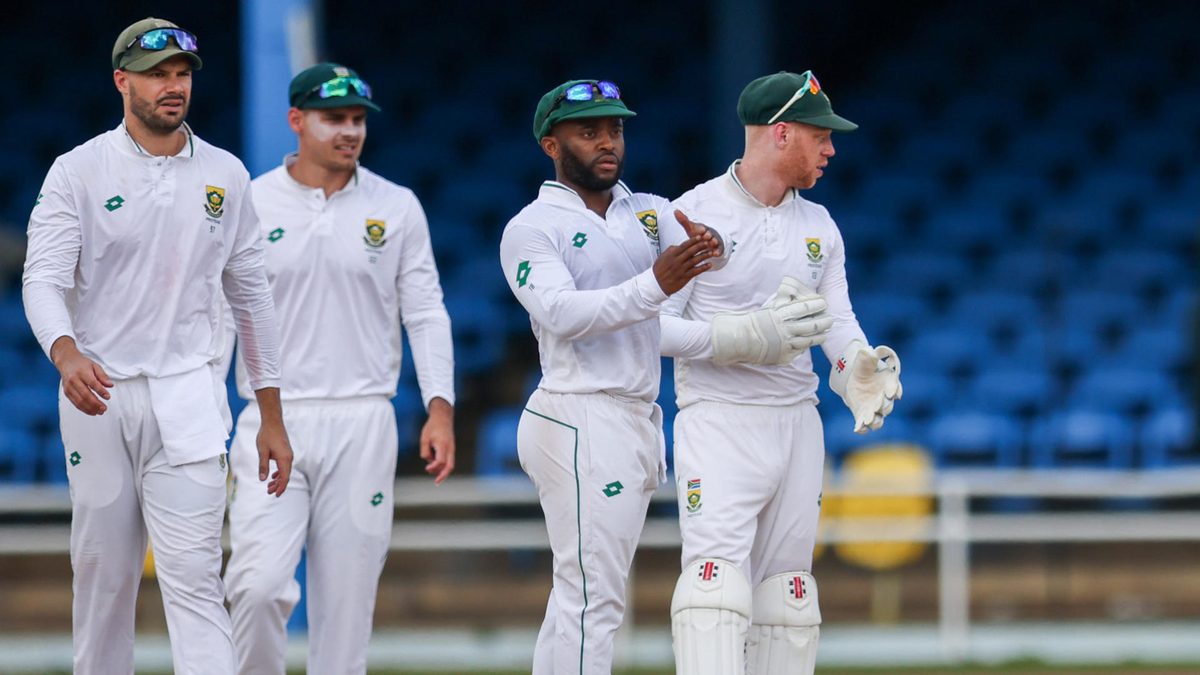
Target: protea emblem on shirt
(649, 221)
(214, 200)
(375, 230)
(814, 249)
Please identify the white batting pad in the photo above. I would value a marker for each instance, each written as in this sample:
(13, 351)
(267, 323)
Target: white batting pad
(783, 639)
(710, 613)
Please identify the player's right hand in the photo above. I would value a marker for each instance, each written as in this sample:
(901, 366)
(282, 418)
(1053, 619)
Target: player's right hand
(83, 380)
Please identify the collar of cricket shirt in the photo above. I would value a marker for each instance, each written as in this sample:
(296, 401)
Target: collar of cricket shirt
(187, 151)
(290, 159)
(738, 191)
(559, 194)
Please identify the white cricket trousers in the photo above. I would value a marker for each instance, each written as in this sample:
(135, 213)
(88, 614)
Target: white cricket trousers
(123, 488)
(595, 460)
(754, 474)
(339, 505)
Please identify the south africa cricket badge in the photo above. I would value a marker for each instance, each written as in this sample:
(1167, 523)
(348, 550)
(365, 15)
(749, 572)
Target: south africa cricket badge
(649, 221)
(693, 495)
(375, 230)
(814, 250)
(214, 201)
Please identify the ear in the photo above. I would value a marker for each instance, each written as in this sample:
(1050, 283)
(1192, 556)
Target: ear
(295, 118)
(781, 133)
(121, 80)
(551, 147)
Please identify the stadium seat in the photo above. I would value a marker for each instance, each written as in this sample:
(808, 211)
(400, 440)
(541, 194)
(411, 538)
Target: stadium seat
(18, 455)
(887, 317)
(497, 442)
(949, 350)
(965, 438)
(1012, 390)
(840, 438)
(53, 459)
(1131, 390)
(926, 393)
(30, 407)
(1168, 439)
(410, 417)
(1082, 438)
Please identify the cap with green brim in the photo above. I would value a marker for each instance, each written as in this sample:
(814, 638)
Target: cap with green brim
(129, 55)
(555, 107)
(344, 88)
(788, 97)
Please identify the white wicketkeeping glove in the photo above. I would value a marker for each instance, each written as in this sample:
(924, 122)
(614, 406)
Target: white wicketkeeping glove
(868, 380)
(791, 322)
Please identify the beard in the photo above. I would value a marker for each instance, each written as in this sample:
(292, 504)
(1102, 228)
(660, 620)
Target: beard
(144, 110)
(584, 176)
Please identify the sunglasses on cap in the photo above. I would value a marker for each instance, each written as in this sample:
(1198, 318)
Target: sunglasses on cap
(587, 91)
(157, 39)
(809, 86)
(338, 87)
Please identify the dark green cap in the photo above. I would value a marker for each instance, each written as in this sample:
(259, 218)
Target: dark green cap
(772, 99)
(128, 55)
(343, 87)
(555, 107)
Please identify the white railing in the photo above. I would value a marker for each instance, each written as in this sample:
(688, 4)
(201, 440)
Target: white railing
(952, 527)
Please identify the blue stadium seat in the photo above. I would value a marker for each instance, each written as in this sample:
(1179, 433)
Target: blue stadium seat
(926, 393)
(1168, 439)
(1130, 390)
(1174, 227)
(1037, 149)
(474, 320)
(996, 310)
(840, 438)
(497, 442)
(1029, 270)
(29, 407)
(948, 350)
(410, 417)
(964, 231)
(964, 438)
(53, 456)
(1096, 309)
(1000, 187)
(1082, 438)
(885, 315)
(1141, 270)
(914, 271)
(18, 455)
(1014, 391)
(1168, 346)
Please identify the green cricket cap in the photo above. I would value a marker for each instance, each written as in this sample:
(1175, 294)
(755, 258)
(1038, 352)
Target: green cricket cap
(773, 98)
(554, 107)
(129, 55)
(329, 85)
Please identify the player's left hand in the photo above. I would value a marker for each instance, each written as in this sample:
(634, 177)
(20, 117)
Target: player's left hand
(868, 380)
(273, 444)
(701, 231)
(437, 440)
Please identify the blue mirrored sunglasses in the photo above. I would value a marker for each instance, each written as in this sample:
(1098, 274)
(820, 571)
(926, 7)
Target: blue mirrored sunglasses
(340, 86)
(158, 39)
(588, 91)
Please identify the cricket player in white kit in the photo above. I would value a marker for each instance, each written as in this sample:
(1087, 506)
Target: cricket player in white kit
(583, 259)
(135, 241)
(749, 447)
(349, 259)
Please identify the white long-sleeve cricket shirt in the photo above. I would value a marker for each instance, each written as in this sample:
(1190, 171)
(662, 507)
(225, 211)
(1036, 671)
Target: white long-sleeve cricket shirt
(133, 255)
(346, 271)
(589, 287)
(797, 238)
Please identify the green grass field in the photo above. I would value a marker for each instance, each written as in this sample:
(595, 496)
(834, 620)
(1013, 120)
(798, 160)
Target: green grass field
(1024, 668)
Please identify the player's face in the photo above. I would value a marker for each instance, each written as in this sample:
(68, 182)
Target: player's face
(159, 97)
(334, 137)
(591, 152)
(808, 151)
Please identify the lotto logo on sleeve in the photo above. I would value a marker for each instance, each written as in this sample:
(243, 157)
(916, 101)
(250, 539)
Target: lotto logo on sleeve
(523, 273)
